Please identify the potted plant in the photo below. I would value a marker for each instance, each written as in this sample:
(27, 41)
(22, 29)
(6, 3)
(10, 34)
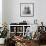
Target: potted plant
(3, 34)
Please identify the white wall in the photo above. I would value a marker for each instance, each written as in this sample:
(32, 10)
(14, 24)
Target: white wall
(12, 11)
(4, 14)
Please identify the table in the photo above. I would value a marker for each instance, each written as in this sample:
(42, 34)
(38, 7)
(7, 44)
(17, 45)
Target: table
(23, 42)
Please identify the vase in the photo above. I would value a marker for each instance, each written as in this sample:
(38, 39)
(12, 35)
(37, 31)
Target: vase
(2, 40)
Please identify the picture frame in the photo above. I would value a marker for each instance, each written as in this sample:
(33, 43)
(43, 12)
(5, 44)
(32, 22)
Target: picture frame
(26, 9)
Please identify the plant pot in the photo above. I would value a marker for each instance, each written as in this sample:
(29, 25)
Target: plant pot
(2, 40)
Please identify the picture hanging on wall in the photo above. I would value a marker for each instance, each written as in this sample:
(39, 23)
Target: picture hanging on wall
(26, 9)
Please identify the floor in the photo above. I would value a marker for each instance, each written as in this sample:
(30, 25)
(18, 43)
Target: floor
(36, 44)
(33, 45)
(42, 45)
(1, 45)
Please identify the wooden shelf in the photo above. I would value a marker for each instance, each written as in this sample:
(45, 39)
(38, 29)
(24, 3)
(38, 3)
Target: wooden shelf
(20, 29)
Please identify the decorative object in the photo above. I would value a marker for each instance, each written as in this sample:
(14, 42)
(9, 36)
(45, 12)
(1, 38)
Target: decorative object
(35, 21)
(28, 33)
(4, 32)
(26, 9)
(2, 40)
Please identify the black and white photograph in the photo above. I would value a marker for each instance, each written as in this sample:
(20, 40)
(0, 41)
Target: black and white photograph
(26, 9)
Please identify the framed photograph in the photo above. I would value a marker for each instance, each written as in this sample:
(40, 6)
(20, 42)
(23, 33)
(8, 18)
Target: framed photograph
(26, 9)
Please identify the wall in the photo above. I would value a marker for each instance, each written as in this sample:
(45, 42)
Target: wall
(11, 12)
(4, 14)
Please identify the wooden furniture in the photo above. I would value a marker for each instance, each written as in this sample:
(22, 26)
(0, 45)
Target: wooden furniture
(21, 29)
(42, 37)
(9, 42)
(23, 42)
(18, 29)
(26, 42)
(35, 43)
(17, 42)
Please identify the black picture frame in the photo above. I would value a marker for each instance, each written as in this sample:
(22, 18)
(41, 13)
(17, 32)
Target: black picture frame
(29, 9)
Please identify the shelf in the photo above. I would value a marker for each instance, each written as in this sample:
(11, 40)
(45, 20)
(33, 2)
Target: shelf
(19, 32)
(20, 29)
(19, 25)
(16, 32)
(12, 32)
